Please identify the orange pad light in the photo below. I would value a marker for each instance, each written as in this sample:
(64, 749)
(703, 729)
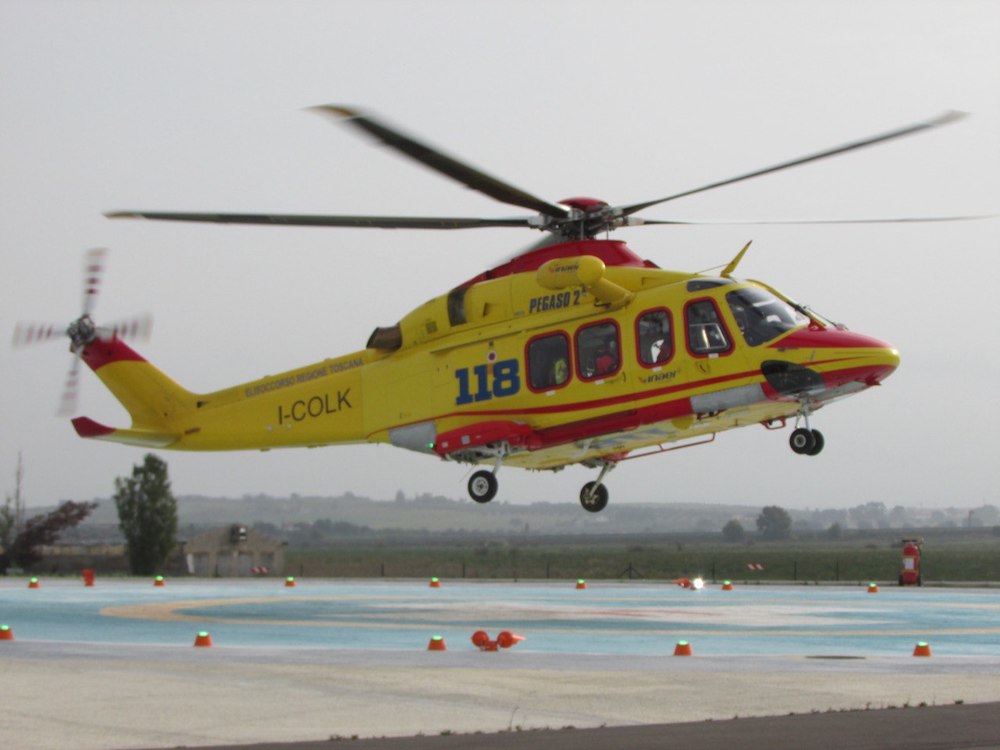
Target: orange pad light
(158, 581)
(435, 583)
(506, 639)
(290, 582)
(203, 639)
(6, 634)
(922, 649)
(581, 584)
(436, 643)
(683, 648)
(33, 584)
(727, 585)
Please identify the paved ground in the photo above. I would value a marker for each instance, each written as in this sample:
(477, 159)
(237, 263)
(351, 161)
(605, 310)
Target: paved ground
(98, 696)
(931, 728)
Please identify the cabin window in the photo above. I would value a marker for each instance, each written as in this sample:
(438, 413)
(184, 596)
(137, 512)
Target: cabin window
(598, 350)
(761, 316)
(706, 333)
(654, 337)
(548, 361)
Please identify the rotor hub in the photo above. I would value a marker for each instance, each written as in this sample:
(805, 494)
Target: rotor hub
(82, 332)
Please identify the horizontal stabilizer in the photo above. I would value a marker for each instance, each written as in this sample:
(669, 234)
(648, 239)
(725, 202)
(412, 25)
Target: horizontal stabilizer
(88, 428)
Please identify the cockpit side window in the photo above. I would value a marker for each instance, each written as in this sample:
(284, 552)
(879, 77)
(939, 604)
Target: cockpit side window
(654, 337)
(548, 361)
(761, 316)
(706, 332)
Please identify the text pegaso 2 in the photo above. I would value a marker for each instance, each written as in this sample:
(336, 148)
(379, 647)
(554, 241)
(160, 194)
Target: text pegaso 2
(554, 301)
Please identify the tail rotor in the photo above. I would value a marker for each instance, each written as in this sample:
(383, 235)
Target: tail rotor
(82, 331)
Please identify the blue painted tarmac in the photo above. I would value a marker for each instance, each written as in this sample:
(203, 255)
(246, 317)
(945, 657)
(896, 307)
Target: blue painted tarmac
(630, 619)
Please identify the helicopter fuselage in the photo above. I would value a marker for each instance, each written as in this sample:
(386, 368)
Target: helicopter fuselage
(579, 352)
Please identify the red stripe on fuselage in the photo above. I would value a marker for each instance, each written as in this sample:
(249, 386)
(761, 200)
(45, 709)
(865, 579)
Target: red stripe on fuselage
(100, 353)
(827, 338)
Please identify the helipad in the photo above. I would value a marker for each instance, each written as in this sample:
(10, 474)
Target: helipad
(114, 666)
(605, 618)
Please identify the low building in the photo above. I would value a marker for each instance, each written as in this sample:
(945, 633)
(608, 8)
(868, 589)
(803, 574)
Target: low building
(234, 551)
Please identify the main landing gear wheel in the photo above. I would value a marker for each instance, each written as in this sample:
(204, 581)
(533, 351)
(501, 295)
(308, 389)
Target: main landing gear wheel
(594, 497)
(806, 442)
(483, 486)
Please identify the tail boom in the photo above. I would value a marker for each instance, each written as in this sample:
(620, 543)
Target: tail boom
(315, 405)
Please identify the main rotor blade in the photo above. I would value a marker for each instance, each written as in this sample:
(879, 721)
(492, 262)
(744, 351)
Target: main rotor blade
(793, 222)
(306, 220)
(943, 119)
(446, 165)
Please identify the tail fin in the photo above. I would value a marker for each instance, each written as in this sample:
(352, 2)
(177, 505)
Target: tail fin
(155, 402)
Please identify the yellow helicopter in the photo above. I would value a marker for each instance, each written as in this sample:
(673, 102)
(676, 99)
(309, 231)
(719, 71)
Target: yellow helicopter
(576, 351)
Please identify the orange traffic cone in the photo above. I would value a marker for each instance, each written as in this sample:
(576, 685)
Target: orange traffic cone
(6, 634)
(922, 649)
(437, 644)
(203, 639)
(683, 648)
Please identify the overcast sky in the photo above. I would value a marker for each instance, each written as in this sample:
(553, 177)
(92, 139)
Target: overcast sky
(199, 106)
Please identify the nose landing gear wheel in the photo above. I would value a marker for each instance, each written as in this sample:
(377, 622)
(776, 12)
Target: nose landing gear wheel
(594, 497)
(818, 443)
(806, 442)
(483, 486)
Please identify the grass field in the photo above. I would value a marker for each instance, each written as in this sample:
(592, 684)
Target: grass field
(611, 559)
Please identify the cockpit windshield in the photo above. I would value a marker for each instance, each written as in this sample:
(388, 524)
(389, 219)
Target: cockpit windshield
(761, 316)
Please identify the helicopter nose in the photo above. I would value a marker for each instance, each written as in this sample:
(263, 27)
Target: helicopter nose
(844, 356)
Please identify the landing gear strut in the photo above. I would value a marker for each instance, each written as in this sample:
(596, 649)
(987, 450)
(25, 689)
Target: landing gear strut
(804, 440)
(483, 484)
(594, 495)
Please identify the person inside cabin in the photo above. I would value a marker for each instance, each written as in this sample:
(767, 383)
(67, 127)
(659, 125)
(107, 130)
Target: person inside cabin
(604, 363)
(560, 371)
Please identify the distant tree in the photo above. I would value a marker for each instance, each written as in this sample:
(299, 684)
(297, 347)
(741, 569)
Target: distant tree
(40, 530)
(147, 515)
(733, 531)
(774, 523)
(835, 532)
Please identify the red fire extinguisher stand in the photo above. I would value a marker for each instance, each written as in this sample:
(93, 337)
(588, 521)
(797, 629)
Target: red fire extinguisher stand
(909, 575)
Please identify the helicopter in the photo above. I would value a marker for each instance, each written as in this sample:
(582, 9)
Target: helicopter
(574, 351)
